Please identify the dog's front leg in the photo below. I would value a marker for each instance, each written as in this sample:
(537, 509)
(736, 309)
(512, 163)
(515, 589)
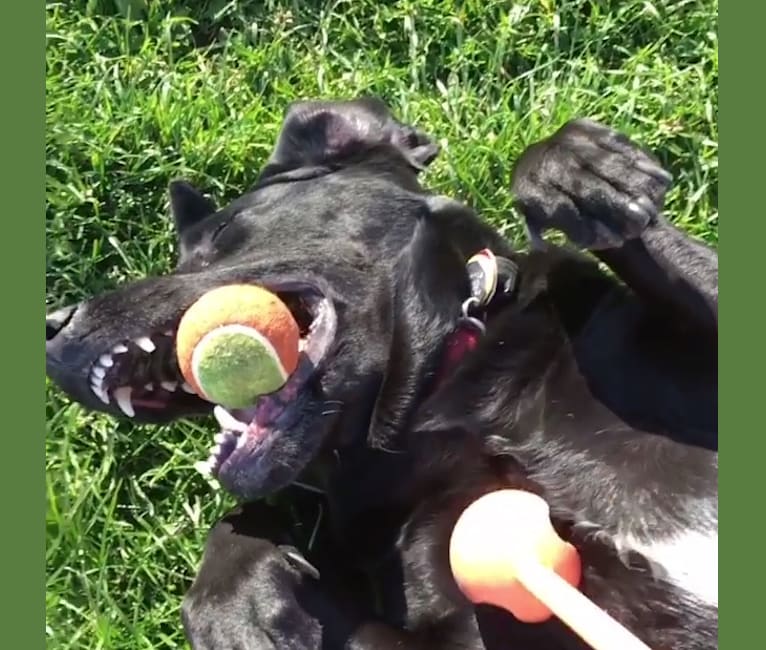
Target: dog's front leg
(255, 591)
(606, 194)
(676, 272)
(244, 595)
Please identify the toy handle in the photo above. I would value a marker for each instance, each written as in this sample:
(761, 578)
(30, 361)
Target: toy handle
(594, 626)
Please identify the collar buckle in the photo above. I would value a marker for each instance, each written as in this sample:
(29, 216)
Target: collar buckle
(489, 276)
(467, 320)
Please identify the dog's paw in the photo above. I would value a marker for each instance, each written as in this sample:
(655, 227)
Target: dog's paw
(256, 606)
(590, 182)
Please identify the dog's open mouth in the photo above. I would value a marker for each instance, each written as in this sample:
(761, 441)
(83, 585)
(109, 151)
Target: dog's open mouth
(142, 374)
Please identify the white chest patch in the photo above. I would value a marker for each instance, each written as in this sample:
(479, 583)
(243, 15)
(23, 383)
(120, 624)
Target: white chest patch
(688, 560)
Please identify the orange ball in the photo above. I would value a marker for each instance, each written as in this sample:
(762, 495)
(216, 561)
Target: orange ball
(237, 342)
(495, 538)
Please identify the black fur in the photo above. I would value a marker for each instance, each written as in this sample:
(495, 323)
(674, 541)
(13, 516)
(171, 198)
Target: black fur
(597, 391)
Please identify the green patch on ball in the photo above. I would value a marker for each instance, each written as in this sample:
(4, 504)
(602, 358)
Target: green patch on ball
(235, 364)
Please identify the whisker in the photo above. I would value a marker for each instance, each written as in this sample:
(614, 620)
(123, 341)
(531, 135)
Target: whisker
(314, 532)
(307, 487)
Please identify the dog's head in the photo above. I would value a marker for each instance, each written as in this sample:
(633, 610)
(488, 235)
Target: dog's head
(371, 266)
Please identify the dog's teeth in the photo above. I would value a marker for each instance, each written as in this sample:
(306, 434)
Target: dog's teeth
(120, 348)
(223, 437)
(99, 392)
(146, 344)
(98, 371)
(227, 421)
(122, 397)
(106, 360)
(187, 388)
(215, 451)
(204, 467)
(168, 333)
(169, 386)
(149, 387)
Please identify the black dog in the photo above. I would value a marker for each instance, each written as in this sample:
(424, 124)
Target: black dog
(598, 394)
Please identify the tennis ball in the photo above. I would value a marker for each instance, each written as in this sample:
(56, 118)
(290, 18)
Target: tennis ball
(235, 343)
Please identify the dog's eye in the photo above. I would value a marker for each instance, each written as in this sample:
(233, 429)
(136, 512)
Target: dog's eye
(219, 229)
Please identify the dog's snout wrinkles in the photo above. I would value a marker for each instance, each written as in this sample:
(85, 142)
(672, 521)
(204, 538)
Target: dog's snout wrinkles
(57, 320)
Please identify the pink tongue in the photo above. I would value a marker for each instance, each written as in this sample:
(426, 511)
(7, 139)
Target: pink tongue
(267, 411)
(269, 407)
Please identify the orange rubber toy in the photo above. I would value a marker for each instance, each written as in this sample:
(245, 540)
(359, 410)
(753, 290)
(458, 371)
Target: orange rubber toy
(505, 552)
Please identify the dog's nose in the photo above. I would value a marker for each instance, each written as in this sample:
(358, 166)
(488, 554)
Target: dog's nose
(57, 321)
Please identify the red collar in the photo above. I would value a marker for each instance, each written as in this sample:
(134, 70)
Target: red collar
(464, 339)
(491, 278)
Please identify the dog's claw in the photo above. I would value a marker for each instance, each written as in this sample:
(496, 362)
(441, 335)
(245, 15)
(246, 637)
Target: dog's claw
(299, 562)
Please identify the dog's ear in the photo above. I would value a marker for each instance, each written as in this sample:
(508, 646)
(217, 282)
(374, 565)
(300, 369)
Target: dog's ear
(187, 204)
(326, 132)
(431, 283)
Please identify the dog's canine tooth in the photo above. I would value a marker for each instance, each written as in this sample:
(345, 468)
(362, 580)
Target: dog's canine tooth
(146, 344)
(99, 392)
(227, 421)
(106, 360)
(149, 387)
(98, 371)
(122, 397)
(120, 348)
(187, 388)
(169, 386)
(204, 467)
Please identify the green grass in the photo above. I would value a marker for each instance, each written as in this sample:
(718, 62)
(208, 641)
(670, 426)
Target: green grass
(200, 94)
